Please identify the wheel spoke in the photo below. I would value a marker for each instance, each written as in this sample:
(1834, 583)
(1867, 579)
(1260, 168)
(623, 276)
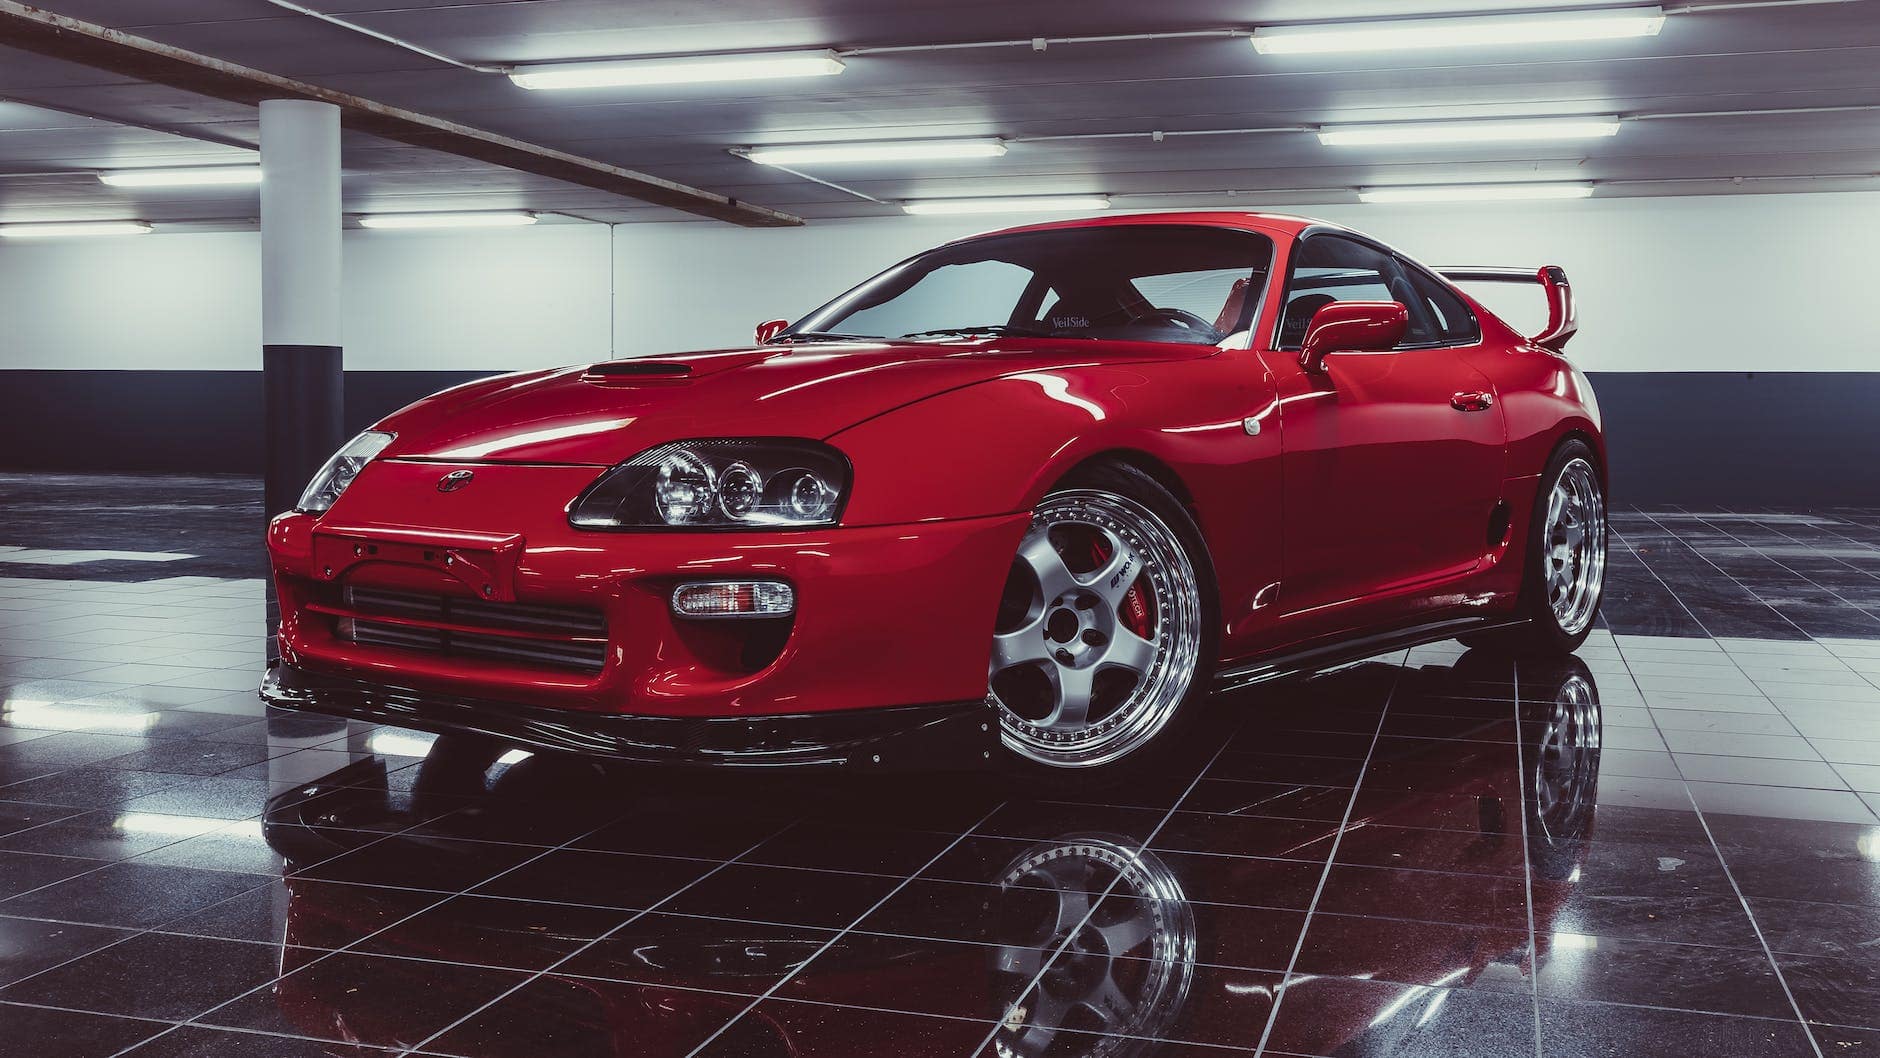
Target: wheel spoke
(1113, 580)
(1121, 938)
(1129, 651)
(1072, 706)
(1024, 646)
(1073, 906)
(1054, 577)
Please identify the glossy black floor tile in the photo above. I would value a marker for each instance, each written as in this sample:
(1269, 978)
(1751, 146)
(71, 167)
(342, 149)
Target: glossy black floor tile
(152, 975)
(378, 1001)
(33, 1032)
(1585, 1030)
(1666, 845)
(130, 894)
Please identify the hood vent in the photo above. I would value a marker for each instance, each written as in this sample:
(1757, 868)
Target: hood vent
(638, 369)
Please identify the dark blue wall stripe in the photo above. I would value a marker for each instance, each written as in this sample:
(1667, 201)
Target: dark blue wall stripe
(1807, 438)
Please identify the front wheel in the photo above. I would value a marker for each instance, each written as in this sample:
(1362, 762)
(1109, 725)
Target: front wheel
(1565, 570)
(1105, 629)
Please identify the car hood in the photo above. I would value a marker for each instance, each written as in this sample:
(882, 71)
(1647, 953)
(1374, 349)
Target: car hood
(605, 413)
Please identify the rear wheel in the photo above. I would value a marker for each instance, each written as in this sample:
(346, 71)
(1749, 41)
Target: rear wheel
(1104, 628)
(1565, 571)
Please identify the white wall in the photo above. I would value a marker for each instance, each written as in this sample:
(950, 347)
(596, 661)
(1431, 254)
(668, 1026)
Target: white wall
(488, 300)
(1720, 283)
(1728, 283)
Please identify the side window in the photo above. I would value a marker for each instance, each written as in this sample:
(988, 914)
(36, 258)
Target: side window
(1449, 315)
(1330, 269)
(976, 293)
(1217, 295)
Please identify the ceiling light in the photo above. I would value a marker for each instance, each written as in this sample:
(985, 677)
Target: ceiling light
(1575, 128)
(1408, 34)
(447, 220)
(691, 69)
(903, 151)
(203, 176)
(100, 227)
(1035, 204)
(1475, 193)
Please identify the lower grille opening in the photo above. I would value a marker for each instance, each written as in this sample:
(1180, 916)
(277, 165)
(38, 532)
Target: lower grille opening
(559, 637)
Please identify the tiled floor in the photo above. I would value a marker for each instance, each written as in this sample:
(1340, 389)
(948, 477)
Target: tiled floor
(1668, 846)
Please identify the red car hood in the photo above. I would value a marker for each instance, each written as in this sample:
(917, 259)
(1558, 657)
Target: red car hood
(582, 415)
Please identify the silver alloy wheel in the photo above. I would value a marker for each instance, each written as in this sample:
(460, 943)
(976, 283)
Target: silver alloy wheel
(1574, 556)
(1072, 634)
(1113, 980)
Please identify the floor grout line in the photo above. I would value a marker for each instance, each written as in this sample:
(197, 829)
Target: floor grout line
(1728, 874)
(1331, 858)
(857, 920)
(196, 1019)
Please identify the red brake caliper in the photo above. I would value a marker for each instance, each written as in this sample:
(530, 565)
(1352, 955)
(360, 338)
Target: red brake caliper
(1134, 612)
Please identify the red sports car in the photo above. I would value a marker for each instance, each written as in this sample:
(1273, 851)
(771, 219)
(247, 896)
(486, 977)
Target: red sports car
(1021, 500)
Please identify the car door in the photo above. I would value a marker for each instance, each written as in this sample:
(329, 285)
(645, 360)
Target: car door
(1392, 464)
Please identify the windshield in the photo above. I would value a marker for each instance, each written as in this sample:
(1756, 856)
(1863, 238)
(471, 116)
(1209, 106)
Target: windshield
(1145, 283)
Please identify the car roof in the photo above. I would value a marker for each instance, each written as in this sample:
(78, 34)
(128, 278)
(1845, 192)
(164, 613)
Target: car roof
(1244, 220)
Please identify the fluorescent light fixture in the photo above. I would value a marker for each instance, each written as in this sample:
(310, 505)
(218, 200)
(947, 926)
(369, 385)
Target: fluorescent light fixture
(1553, 27)
(903, 151)
(1034, 204)
(1411, 132)
(447, 220)
(201, 176)
(52, 231)
(1475, 193)
(688, 69)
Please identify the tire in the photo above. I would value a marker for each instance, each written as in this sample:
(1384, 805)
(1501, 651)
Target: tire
(1560, 596)
(1106, 634)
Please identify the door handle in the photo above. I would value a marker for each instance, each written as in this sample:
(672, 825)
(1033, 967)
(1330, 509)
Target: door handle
(1478, 400)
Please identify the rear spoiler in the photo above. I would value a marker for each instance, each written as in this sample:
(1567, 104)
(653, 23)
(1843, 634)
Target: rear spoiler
(1563, 317)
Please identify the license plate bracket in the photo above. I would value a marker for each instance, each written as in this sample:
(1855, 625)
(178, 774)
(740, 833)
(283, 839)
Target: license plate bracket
(485, 563)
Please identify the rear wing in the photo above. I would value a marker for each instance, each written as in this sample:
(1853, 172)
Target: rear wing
(1563, 317)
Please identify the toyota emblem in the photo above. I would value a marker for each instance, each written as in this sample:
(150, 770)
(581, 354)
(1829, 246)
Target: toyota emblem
(455, 480)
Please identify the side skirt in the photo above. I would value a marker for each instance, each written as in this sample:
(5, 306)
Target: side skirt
(1312, 659)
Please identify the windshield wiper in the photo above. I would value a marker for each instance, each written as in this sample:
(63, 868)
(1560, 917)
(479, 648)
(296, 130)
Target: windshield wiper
(821, 336)
(1001, 329)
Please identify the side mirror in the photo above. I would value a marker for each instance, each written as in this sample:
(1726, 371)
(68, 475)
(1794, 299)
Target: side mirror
(1351, 327)
(770, 329)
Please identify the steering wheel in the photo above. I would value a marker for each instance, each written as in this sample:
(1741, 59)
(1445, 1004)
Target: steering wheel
(1186, 319)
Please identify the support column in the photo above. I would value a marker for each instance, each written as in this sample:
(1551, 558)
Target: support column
(300, 321)
(301, 375)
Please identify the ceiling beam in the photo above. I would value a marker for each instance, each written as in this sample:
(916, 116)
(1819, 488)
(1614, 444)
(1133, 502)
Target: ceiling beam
(61, 37)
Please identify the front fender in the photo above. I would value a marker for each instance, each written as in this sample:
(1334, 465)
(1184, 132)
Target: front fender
(998, 446)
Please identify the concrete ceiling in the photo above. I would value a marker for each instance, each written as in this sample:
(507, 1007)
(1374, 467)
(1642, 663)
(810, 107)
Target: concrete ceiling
(63, 120)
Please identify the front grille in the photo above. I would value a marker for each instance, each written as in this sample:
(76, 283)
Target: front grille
(560, 637)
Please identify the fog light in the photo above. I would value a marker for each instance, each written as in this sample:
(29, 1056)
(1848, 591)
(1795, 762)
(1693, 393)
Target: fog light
(733, 598)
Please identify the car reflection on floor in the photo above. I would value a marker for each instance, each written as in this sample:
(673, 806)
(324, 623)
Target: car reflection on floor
(1290, 907)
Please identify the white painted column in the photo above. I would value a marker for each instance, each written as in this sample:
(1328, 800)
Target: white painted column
(300, 292)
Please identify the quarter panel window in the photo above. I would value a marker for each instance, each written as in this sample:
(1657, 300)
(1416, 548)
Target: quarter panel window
(1329, 268)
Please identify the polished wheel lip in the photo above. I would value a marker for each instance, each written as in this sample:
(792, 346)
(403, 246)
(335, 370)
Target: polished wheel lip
(1144, 547)
(1573, 557)
(1567, 761)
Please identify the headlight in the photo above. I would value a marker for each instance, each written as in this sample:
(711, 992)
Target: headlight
(721, 484)
(340, 471)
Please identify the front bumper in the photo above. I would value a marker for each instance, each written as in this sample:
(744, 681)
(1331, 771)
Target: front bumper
(885, 614)
(939, 737)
